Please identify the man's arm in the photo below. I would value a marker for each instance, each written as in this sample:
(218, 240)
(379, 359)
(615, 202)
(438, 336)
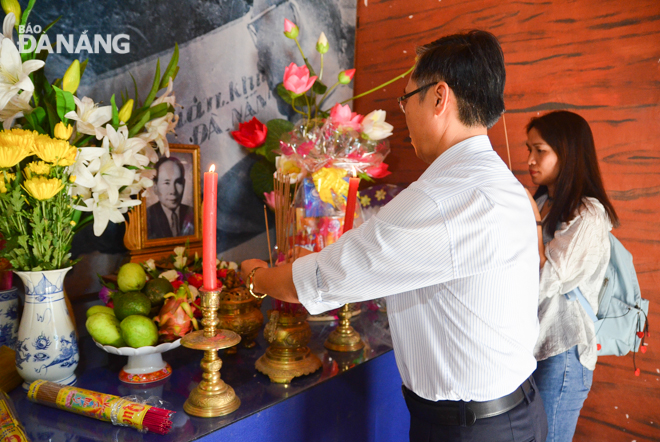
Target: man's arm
(276, 282)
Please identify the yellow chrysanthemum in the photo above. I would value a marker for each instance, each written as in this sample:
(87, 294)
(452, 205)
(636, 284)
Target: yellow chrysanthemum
(57, 152)
(38, 168)
(63, 132)
(15, 145)
(43, 188)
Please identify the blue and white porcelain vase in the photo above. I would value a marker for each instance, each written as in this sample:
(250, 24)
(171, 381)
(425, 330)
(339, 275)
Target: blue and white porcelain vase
(9, 317)
(46, 347)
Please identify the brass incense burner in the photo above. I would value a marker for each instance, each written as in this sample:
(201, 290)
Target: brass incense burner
(344, 337)
(211, 397)
(240, 312)
(287, 356)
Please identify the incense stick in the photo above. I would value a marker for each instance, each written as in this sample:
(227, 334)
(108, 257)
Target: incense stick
(270, 253)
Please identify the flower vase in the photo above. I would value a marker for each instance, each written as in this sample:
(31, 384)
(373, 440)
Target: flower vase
(47, 347)
(9, 317)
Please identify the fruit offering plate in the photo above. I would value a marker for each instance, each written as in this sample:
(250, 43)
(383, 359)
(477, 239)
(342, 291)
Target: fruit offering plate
(145, 364)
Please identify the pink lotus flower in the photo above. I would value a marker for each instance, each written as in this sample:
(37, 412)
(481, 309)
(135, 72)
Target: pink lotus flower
(290, 29)
(379, 171)
(297, 79)
(346, 76)
(343, 117)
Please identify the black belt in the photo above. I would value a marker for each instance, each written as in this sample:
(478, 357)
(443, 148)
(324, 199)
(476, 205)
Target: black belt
(464, 413)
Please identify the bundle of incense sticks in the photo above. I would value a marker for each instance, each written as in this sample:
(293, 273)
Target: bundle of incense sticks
(285, 228)
(101, 406)
(284, 215)
(10, 427)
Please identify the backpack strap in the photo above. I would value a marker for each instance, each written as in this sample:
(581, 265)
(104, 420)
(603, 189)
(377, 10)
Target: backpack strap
(576, 294)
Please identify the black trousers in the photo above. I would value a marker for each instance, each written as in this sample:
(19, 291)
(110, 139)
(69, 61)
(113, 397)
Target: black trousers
(525, 423)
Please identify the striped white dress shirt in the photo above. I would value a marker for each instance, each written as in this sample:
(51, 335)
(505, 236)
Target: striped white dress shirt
(456, 254)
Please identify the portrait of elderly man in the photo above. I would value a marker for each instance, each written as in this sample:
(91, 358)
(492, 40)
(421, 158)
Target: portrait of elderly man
(169, 217)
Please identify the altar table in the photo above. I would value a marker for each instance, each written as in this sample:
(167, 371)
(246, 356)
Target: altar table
(353, 397)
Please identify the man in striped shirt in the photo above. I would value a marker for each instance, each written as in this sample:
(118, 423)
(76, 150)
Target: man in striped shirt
(456, 255)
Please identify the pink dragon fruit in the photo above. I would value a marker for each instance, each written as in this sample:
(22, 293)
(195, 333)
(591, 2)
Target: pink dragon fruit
(176, 317)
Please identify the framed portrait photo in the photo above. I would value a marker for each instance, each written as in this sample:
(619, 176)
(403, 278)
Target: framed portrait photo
(172, 207)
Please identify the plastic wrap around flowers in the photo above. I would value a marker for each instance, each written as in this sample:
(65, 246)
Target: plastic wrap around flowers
(345, 140)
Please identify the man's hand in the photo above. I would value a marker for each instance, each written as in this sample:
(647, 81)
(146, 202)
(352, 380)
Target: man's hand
(248, 265)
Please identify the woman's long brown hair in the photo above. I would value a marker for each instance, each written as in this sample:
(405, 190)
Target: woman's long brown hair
(569, 135)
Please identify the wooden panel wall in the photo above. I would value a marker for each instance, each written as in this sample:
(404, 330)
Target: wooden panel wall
(599, 58)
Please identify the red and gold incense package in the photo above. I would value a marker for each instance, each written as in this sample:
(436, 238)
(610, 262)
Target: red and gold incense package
(10, 427)
(101, 406)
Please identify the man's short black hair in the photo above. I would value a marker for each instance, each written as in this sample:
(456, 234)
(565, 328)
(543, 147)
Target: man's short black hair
(472, 64)
(162, 160)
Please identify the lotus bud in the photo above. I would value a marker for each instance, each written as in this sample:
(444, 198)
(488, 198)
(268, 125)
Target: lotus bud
(290, 29)
(71, 79)
(322, 44)
(63, 132)
(12, 6)
(126, 111)
(346, 76)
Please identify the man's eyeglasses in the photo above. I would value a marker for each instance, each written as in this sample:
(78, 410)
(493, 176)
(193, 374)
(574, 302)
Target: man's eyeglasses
(402, 100)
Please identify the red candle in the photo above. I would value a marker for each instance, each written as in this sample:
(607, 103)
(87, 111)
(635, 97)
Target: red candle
(209, 220)
(351, 199)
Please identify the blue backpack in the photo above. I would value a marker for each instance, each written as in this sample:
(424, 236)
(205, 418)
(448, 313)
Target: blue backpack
(621, 323)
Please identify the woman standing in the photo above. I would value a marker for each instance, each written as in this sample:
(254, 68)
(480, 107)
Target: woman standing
(577, 216)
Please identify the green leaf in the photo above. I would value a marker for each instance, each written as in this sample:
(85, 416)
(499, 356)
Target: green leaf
(319, 88)
(364, 176)
(115, 112)
(137, 96)
(64, 102)
(169, 71)
(140, 124)
(284, 93)
(36, 120)
(261, 175)
(26, 13)
(276, 128)
(159, 110)
(50, 25)
(154, 88)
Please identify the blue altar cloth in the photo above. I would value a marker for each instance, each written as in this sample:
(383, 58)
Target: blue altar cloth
(353, 397)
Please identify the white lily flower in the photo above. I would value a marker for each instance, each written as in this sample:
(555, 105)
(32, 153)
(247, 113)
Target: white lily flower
(18, 106)
(8, 26)
(170, 275)
(14, 74)
(232, 265)
(157, 130)
(167, 97)
(375, 127)
(179, 251)
(138, 186)
(180, 262)
(105, 211)
(194, 293)
(124, 150)
(89, 117)
(150, 264)
(110, 178)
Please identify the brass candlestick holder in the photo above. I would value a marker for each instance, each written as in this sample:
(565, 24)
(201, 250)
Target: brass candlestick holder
(287, 356)
(344, 337)
(211, 397)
